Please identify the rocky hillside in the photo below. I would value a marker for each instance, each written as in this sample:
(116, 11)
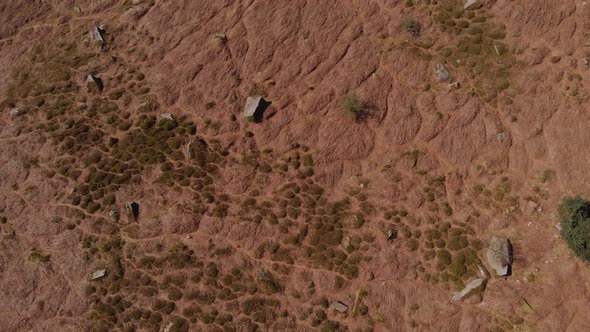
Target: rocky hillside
(403, 173)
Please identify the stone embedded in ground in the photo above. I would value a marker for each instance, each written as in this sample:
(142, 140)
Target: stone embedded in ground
(441, 72)
(97, 33)
(254, 109)
(339, 306)
(94, 82)
(472, 287)
(98, 274)
(499, 255)
(391, 234)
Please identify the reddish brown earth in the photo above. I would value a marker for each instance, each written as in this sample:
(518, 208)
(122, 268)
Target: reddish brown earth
(304, 57)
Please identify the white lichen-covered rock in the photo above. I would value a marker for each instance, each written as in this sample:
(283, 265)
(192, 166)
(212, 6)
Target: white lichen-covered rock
(499, 255)
(471, 288)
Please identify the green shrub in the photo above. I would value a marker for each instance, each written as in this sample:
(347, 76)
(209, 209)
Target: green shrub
(575, 223)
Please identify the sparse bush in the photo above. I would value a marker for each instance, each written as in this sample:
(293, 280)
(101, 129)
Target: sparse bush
(411, 25)
(354, 107)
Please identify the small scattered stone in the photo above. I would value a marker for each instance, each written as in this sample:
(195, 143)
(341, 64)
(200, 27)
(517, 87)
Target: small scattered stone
(133, 210)
(114, 213)
(97, 33)
(558, 227)
(454, 85)
(98, 274)
(94, 82)
(346, 242)
(339, 306)
(442, 72)
(502, 136)
(14, 112)
(168, 116)
(391, 234)
(168, 327)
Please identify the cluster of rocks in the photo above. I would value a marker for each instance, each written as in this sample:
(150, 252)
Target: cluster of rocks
(499, 257)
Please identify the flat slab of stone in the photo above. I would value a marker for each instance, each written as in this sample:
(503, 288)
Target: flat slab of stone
(98, 274)
(472, 287)
(499, 255)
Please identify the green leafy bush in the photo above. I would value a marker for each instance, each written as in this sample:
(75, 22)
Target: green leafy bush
(575, 223)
